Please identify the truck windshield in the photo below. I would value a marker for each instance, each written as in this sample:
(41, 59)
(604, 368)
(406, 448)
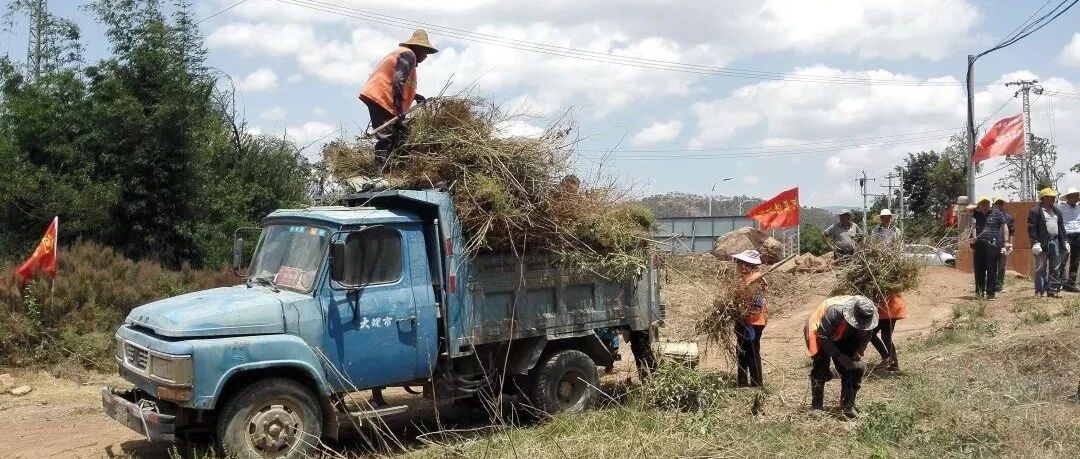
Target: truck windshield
(289, 256)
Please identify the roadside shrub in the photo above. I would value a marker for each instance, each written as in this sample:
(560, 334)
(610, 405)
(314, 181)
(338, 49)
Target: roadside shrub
(675, 386)
(74, 318)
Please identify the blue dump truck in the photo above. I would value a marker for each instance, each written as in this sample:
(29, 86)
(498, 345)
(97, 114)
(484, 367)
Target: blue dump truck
(370, 294)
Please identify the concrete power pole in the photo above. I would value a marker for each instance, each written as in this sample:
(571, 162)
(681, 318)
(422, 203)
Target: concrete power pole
(1027, 178)
(862, 185)
(38, 18)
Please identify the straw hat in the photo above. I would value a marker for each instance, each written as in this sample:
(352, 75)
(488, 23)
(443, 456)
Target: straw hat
(861, 313)
(1047, 193)
(749, 256)
(419, 39)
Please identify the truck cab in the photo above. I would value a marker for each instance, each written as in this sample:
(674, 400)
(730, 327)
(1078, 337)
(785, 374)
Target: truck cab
(363, 296)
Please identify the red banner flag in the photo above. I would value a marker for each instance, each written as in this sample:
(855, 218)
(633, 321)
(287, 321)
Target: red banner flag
(1004, 139)
(44, 257)
(781, 211)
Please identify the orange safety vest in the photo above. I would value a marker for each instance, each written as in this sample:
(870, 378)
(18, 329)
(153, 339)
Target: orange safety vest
(756, 316)
(379, 88)
(894, 308)
(814, 322)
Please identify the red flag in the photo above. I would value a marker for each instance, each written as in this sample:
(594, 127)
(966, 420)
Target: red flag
(1004, 139)
(781, 211)
(950, 217)
(44, 257)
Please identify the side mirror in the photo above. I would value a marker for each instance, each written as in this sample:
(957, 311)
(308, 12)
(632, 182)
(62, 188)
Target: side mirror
(337, 262)
(237, 253)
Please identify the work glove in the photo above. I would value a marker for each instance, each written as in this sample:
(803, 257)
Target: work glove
(1008, 248)
(1036, 249)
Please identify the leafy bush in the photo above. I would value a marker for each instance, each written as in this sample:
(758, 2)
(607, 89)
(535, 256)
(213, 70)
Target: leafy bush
(676, 386)
(75, 318)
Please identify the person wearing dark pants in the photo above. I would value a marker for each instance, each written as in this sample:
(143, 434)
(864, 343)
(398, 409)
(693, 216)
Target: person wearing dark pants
(837, 333)
(988, 230)
(748, 330)
(1003, 259)
(1070, 212)
(1046, 230)
(889, 311)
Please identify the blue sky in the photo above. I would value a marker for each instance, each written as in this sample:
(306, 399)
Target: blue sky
(299, 70)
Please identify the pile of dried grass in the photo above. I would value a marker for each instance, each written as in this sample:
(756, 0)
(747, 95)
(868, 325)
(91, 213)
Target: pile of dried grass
(877, 271)
(512, 194)
(730, 305)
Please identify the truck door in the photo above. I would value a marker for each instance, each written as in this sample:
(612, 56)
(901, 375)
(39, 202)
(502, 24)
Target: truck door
(372, 328)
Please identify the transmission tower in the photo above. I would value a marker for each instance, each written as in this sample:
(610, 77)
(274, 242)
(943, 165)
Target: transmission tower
(38, 15)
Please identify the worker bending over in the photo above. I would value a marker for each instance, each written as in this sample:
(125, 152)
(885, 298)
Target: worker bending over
(391, 90)
(837, 332)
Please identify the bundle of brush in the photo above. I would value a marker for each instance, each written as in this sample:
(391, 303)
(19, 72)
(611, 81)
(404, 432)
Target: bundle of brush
(512, 193)
(730, 305)
(876, 271)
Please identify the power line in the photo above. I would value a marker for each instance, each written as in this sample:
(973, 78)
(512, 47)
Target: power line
(654, 157)
(234, 5)
(575, 53)
(1042, 21)
(769, 147)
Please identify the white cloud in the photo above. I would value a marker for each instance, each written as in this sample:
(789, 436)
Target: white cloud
(272, 39)
(657, 132)
(311, 133)
(518, 128)
(294, 78)
(751, 180)
(868, 127)
(1070, 55)
(262, 79)
(319, 111)
(274, 114)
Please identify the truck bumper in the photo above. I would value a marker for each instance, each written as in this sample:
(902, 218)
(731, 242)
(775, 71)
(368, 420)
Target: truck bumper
(125, 408)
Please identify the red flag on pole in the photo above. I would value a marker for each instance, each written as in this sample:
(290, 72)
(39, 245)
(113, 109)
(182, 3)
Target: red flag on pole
(44, 257)
(781, 211)
(1005, 138)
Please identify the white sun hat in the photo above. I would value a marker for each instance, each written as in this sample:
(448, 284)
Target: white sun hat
(886, 212)
(750, 256)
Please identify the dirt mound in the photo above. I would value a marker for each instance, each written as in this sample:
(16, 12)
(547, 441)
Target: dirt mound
(747, 239)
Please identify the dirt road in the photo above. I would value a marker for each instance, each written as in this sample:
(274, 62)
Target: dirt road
(62, 418)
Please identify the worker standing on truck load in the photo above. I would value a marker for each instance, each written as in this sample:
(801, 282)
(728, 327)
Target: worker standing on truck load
(837, 331)
(391, 90)
(1070, 211)
(989, 230)
(886, 232)
(889, 311)
(1006, 244)
(842, 235)
(1046, 230)
(748, 330)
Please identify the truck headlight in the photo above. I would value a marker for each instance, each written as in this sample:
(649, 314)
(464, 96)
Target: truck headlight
(175, 369)
(119, 349)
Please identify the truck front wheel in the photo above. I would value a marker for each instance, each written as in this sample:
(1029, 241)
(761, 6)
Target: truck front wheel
(565, 382)
(273, 418)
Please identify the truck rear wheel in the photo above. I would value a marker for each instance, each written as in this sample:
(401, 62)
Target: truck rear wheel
(565, 382)
(273, 418)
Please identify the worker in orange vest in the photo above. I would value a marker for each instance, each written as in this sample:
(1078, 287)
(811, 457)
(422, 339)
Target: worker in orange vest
(748, 330)
(889, 311)
(391, 90)
(838, 331)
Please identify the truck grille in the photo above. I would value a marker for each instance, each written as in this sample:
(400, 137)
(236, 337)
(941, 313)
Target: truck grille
(138, 358)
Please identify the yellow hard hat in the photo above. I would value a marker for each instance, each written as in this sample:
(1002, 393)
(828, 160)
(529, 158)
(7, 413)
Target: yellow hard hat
(1047, 192)
(983, 199)
(998, 199)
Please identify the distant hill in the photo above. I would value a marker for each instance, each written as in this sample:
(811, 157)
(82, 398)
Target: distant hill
(695, 205)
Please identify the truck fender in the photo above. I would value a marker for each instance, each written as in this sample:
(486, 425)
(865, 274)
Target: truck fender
(584, 341)
(312, 375)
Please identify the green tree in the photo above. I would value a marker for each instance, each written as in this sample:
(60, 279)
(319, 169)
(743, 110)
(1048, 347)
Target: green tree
(811, 240)
(1043, 161)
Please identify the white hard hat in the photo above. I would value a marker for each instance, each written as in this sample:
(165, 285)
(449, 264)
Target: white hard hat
(885, 212)
(1071, 190)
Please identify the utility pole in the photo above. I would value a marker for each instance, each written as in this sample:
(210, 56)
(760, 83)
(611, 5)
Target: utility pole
(38, 15)
(862, 185)
(971, 124)
(900, 221)
(1027, 178)
(889, 187)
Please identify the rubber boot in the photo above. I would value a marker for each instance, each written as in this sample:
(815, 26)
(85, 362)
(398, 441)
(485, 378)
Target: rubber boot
(894, 363)
(817, 397)
(847, 402)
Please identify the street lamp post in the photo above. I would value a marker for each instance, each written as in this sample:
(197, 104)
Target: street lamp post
(712, 191)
